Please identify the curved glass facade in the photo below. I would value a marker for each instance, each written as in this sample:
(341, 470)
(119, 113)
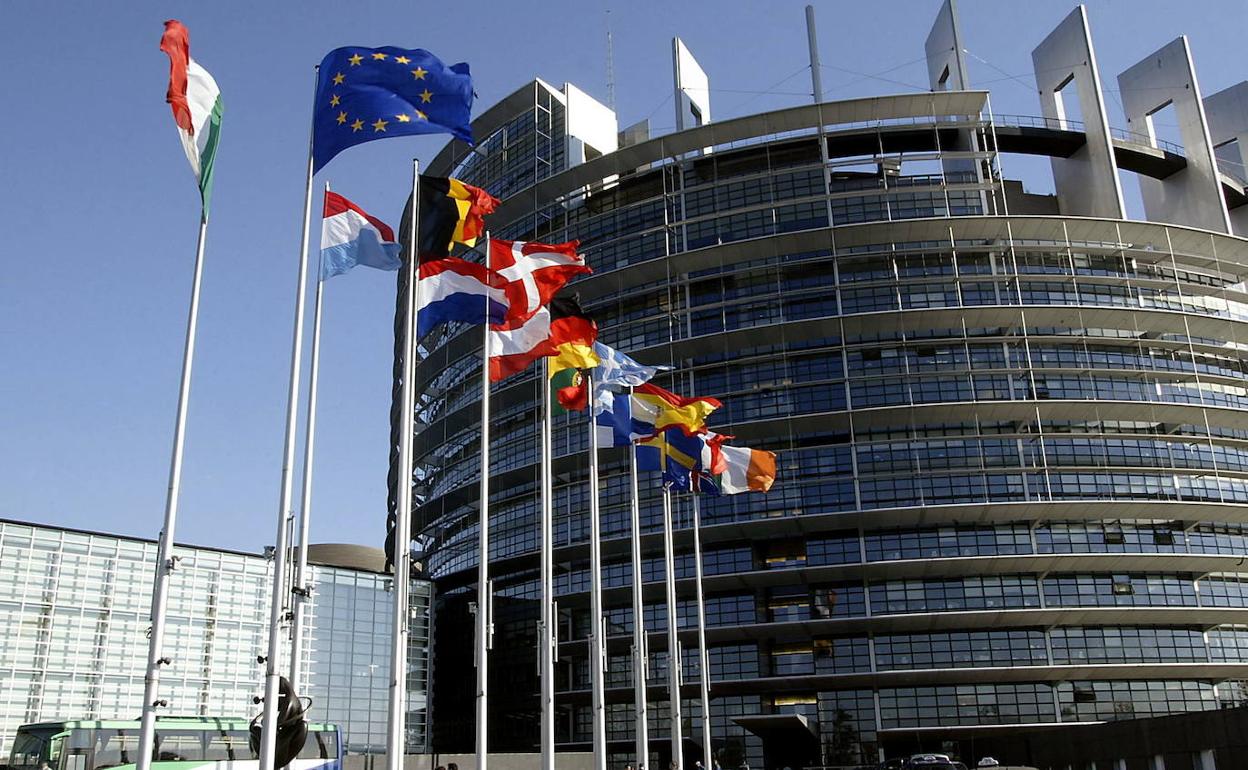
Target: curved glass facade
(1012, 450)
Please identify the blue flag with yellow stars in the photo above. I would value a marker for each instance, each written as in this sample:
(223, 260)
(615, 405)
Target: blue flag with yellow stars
(364, 94)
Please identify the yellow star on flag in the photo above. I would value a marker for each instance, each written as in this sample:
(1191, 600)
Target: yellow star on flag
(403, 118)
(334, 101)
(342, 118)
(421, 115)
(355, 60)
(419, 73)
(379, 56)
(402, 60)
(339, 78)
(426, 96)
(380, 125)
(357, 125)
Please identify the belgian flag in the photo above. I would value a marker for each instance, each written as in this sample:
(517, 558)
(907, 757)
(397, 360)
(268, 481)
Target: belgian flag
(451, 212)
(572, 336)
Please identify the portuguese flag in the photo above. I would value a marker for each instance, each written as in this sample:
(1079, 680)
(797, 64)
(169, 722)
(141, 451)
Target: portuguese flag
(572, 336)
(196, 103)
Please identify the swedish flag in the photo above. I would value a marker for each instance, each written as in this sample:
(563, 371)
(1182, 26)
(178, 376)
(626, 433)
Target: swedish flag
(364, 94)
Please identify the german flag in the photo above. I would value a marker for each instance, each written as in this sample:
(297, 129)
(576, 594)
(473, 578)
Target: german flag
(450, 212)
(572, 335)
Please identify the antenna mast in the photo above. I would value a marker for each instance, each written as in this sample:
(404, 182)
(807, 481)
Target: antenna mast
(610, 66)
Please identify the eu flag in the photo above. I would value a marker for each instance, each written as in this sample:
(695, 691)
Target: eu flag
(364, 94)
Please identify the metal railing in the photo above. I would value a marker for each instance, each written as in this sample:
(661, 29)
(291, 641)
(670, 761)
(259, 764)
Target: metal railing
(1038, 121)
(1054, 124)
(1124, 135)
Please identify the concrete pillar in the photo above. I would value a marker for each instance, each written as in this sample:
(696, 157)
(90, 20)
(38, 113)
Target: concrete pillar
(1065, 68)
(1193, 196)
(1227, 113)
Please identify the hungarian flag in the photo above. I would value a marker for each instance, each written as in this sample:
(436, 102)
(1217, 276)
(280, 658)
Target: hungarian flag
(535, 272)
(196, 103)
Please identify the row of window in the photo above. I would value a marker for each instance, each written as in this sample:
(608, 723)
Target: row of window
(839, 600)
(942, 542)
(936, 706)
(1075, 646)
(516, 533)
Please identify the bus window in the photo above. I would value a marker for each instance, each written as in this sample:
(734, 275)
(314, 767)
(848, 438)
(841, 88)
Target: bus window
(28, 751)
(54, 751)
(115, 747)
(321, 744)
(228, 745)
(175, 745)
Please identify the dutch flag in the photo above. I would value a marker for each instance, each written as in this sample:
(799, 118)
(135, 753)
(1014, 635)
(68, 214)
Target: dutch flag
(453, 289)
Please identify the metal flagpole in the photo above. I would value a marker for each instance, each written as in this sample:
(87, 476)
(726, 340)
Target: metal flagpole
(704, 677)
(546, 627)
(300, 588)
(166, 562)
(272, 679)
(641, 658)
(597, 633)
(673, 642)
(485, 593)
(396, 744)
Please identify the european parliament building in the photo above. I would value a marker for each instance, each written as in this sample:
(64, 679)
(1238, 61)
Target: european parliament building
(75, 608)
(1012, 429)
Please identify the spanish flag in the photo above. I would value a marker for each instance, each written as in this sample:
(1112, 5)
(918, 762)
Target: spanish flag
(688, 414)
(451, 212)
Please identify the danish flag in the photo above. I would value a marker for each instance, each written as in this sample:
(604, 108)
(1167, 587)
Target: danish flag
(535, 272)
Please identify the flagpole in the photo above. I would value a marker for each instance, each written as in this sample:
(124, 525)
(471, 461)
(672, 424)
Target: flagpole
(272, 679)
(704, 677)
(396, 745)
(641, 658)
(597, 633)
(485, 598)
(673, 642)
(165, 560)
(300, 587)
(546, 625)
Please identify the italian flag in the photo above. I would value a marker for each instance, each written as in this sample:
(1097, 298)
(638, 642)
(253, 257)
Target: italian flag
(196, 103)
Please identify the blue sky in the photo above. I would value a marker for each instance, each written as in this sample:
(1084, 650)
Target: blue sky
(100, 209)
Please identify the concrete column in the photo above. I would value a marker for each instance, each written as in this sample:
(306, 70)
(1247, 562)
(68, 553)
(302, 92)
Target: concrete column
(1193, 196)
(1227, 113)
(1064, 63)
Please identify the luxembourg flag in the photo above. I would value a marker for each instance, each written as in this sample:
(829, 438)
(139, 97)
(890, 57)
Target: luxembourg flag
(453, 289)
(350, 237)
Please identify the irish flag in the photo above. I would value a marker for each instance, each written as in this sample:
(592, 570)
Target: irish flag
(196, 103)
(746, 470)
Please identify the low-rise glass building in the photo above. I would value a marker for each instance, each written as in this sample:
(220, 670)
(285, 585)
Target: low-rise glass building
(75, 610)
